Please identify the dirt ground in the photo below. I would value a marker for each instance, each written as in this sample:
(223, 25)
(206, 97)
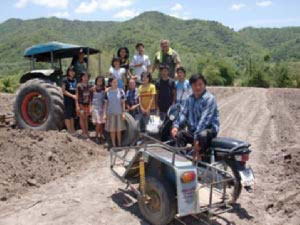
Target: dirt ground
(53, 178)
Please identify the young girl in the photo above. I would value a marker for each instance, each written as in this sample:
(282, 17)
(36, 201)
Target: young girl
(98, 93)
(83, 103)
(68, 89)
(147, 94)
(116, 71)
(114, 108)
(123, 54)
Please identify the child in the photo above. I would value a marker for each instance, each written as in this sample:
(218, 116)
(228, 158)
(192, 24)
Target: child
(68, 89)
(83, 103)
(98, 93)
(116, 71)
(140, 62)
(183, 87)
(165, 88)
(147, 94)
(132, 99)
(114, 112)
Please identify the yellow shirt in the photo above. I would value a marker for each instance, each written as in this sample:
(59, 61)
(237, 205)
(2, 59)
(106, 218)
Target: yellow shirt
(146, 94)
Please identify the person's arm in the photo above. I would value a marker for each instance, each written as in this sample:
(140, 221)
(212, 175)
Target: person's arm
(157, 95)
(105, 107)
(135, 106)
(74, 59)
(135, 64)
(123, 105)
(76, 100)
(128, 107)
(206, 117)
(173, 92)
(181, 119)
(91, 90)
(66, 93)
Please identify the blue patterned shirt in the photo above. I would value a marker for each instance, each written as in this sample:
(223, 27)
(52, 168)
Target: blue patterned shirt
(199, 114)
(132, 98)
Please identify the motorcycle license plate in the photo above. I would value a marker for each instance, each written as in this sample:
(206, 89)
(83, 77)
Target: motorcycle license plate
(247, 177)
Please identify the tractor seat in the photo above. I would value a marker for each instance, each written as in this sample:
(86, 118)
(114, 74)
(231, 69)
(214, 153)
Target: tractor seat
(226, 143)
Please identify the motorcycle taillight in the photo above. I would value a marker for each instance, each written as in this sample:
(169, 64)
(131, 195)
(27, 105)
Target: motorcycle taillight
(242, 158)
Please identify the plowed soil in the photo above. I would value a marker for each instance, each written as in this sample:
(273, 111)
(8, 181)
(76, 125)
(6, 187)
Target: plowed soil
(53, 178)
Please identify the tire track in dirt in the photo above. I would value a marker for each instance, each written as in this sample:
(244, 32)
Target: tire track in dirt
(248, 120)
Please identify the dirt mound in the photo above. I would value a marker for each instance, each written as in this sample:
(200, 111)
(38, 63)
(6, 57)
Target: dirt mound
(32, 158)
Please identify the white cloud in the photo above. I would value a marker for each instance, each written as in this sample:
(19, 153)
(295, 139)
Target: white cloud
(85, 7)
(126, 14)
(62, 4)
(264, 3)
(176, 7)
(237, 7)
(179, 16)
(21, 3)
(93, 5)
(62, 14)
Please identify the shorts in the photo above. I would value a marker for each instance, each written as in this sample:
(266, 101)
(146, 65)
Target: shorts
(97, 117)
(69, 110)
(115, 123)
(84, 110)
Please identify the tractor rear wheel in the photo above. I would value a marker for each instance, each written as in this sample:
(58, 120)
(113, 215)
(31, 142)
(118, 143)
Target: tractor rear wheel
(39, 105)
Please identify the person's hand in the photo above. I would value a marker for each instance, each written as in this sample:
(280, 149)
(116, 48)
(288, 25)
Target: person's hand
(74, 97)
(196, 156)
(174, 132)
(123, 116)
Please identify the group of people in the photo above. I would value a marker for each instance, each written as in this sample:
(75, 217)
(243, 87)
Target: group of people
(130, 88)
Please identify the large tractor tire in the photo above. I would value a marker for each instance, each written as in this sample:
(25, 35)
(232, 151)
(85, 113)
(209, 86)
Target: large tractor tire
(129, 135)
(39, 106)
(161, 208)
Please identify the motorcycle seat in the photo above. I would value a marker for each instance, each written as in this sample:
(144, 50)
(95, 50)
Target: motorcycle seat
(227, 143)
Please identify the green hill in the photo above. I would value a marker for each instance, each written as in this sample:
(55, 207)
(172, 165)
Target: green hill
(191, 38)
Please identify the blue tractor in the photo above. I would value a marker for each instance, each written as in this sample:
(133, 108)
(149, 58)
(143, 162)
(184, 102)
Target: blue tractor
(39, 101)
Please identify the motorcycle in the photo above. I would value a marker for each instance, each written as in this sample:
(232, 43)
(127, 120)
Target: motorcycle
(227, 154)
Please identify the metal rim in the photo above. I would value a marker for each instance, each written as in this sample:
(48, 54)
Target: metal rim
(34, 109)
(154, 202)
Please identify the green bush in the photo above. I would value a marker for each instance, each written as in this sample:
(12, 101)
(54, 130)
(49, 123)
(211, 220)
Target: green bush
(281, 76)
(8, 85)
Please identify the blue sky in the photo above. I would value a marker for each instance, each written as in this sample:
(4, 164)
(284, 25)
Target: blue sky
(233, 13)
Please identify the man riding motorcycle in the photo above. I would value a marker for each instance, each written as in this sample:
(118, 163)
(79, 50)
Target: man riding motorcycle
(201, 117)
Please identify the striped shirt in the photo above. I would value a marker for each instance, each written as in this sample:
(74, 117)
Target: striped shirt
(199, 114)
